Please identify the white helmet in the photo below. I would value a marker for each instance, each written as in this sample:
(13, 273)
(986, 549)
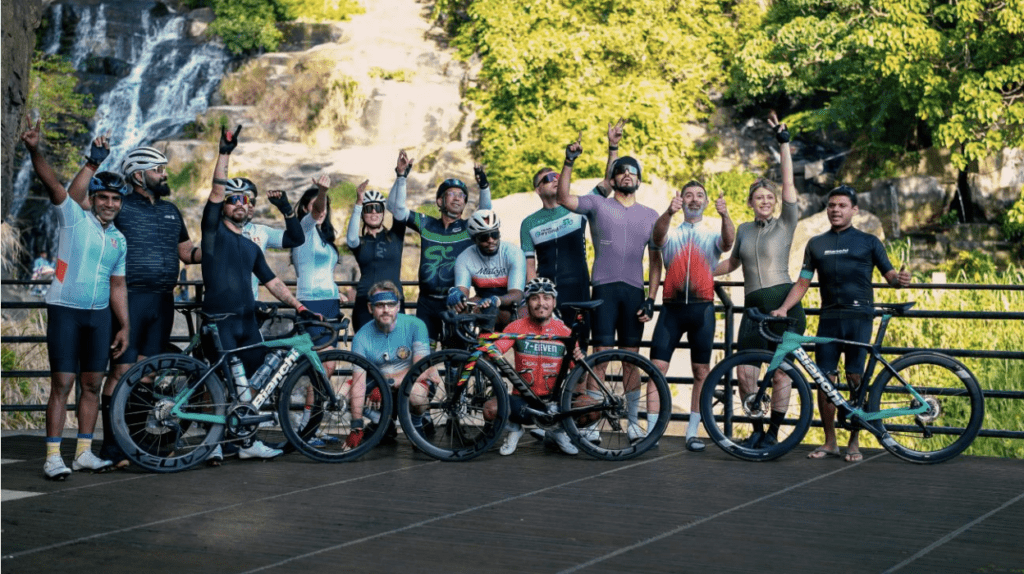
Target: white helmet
(141, 159)
(240, 185)
(482, 221)
(373, 196)
(539, 285)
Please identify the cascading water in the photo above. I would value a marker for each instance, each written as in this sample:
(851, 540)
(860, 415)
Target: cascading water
(170, 81)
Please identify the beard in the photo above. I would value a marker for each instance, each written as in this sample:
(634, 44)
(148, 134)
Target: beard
(159, 189)
(627, 189)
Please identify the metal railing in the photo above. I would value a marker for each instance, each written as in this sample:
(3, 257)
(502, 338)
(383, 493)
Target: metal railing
(727, 308)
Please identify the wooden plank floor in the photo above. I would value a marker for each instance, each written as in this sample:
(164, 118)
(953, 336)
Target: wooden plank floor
(537, 511)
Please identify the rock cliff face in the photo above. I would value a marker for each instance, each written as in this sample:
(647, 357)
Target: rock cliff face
(20, 20)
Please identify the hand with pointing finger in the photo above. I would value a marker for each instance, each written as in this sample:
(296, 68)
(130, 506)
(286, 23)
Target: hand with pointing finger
(573, 150)
(720, 205)
(615, 133)
(781, 133)
(676, 204)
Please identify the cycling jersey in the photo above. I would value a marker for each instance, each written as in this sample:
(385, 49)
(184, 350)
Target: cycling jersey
(264, 236)
(620, 235)
(87, 255)
(439, 245)
(229, 259)
(153, 231)
(314, 263)
(844, 261)
(379, 256)
(763, 249)
(690, 253)
(540, 359)
(556, 239)
(491, 274)
(393, 353)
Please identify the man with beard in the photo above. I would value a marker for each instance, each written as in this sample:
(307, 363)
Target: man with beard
(496, 269)
(691, 252)
(621, 229)
(844, 258)
(89, 278)
(157, 242)
(229, 260)
(442, 239)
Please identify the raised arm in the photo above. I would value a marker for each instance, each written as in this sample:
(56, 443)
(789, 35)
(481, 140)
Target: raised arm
(79, 188)
(572, 151)
(728, 229)
(228, 143)
(54, 188)
(292, 236)
(480, 173)
(352, 236)
(614, 137)
(665, 219)
(396, 198)
(319, 206)
(785, 157)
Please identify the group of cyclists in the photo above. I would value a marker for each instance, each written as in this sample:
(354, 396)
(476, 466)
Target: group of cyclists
(121, 243)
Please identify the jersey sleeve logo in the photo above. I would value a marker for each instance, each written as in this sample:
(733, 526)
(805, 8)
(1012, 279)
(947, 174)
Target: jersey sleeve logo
(403, 352)
(62, 269)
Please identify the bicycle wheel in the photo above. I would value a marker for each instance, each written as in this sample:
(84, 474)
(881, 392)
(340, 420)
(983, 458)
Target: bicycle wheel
(745, 426)
(955, 402)
(143, 424)
(452, 426)
(315, 413)
(633, 389)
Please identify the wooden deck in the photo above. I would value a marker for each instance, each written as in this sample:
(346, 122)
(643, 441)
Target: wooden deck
(537, 511)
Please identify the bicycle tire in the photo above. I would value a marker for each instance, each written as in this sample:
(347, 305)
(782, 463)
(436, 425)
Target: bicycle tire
(325, 437)
(956, 401)
(742, 428)
(454, 428)
(622, 434)
(140, 413)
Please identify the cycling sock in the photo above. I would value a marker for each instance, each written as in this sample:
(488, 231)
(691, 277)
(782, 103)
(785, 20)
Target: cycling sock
(632, 405)
(691, 429)
(108, 430)
(652, 421)
(307, 412)
(84, 444)
(775, 422)
(52, 446)
(417, 421)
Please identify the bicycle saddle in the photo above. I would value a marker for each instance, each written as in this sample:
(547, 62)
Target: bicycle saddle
(214, 317)
(898, 309)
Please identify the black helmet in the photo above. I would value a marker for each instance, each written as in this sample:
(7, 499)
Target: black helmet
(107, 181)
(450, 183)
(628, 161)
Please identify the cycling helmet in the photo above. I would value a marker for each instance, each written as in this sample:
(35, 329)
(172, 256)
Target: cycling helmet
(240, 185)
(107, 181)
(373, 196)
(539, 285)
(141, 159)
(628, 161)
(482, 221)
(450, 183)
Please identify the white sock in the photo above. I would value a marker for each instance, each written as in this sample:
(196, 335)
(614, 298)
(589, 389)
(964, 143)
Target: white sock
(691, 429)
(632, 405)
(652, 421)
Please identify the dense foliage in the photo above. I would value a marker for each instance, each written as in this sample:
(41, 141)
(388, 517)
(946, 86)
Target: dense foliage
(250, 25)
(552, 68)
(899, 74)
(64, 112)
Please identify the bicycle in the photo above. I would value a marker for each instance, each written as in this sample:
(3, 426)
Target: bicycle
(924, 407)
(462, 381)
(171, 410)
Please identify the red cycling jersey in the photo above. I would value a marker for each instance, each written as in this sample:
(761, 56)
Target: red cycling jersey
(540, 359)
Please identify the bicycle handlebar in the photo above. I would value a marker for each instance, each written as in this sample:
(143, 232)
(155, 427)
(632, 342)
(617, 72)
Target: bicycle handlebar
(462, 324)
(764, 320)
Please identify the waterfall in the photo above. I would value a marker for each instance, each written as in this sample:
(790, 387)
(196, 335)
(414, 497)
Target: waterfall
(170, 81)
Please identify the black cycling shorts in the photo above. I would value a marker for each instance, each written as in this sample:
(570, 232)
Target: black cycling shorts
(617, 313)
(428, 310)
(697, 320)
(151, 316)
(331, 310)
(826, 355)
(237, 332)
(77, 340)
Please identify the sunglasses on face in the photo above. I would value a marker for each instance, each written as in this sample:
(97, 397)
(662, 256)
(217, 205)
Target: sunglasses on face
(625, 168)
(238, 199)
(547, 178)
(385, 305)
(373, 208)
(484, 237)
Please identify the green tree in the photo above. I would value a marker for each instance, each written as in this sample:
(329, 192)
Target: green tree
(65, 113)
(897, 73)
(249, 25)
(551, 68)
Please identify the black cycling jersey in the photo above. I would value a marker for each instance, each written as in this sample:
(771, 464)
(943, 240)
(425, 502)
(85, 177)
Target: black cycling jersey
(229, 260)
(844, 262)
(153, 231)
(380, 258)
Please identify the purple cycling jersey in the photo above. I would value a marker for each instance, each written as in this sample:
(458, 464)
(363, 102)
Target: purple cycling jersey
(620, 235)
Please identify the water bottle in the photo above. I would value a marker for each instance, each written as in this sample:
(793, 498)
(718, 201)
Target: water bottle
(265, 370)
(238, 375)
